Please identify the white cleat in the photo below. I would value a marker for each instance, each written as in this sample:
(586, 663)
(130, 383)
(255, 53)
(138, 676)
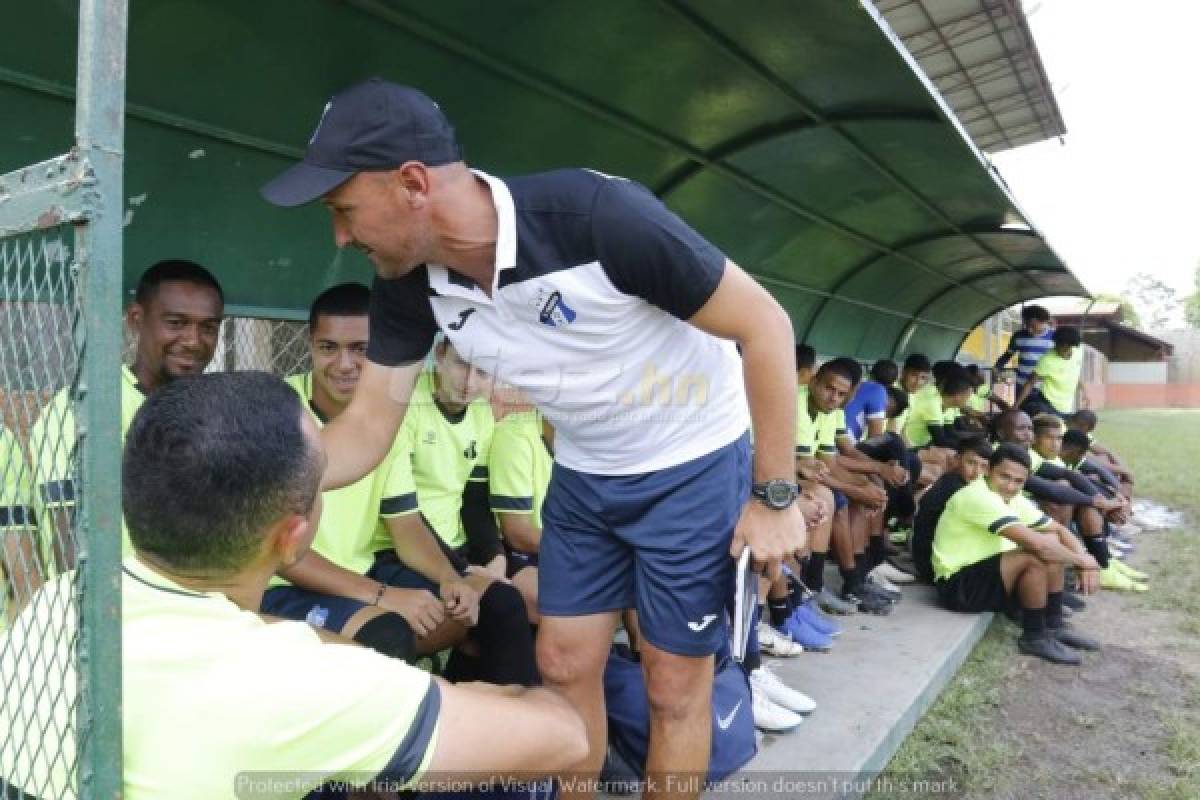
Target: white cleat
(767, 682)
(891, 573)
(771, 717)
(773, 643)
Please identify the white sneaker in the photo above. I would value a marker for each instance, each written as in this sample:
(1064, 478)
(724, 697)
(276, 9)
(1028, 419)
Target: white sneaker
(765, 681)
(880, 580)
(773, 643)
(770, 716)
(893, 574)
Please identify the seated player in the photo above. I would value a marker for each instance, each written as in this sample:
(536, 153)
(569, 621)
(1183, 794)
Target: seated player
(887, 467)
(855, 496)
(934, 409)
(1067, 493)
(176, 317)
(1054, 384)
(21, 571)
(417, 600)
(1085, 420)
(1029, 344)
(994, 550)
(519, 466)
(972, 462)
(1048, 431)
(213, 694)
(915, 376)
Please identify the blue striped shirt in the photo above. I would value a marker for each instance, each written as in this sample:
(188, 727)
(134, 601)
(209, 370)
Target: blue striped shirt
(1029, 350)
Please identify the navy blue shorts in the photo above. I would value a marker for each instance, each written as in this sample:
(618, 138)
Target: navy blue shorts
(319, 610)
(657, 542)
(332, 612)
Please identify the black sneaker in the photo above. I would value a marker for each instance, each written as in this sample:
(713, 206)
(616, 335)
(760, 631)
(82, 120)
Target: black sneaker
(1074, 601)
(869, 603)
(1073, 639)
(1050, 649)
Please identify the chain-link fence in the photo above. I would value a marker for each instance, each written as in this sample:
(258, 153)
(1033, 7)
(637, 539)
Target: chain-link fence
(279, 346)
(39, 396)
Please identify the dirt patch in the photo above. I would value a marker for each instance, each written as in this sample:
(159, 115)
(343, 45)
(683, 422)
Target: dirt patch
(1123, 725)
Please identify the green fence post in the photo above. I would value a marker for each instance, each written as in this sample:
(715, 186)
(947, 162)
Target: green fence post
(100, 137)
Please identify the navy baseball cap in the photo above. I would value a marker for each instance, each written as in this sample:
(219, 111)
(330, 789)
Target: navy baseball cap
(373, 125)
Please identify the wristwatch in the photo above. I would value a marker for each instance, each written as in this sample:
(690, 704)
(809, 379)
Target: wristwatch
(777, 494)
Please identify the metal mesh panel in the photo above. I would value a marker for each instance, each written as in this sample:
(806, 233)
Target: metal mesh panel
(40, 346)
(278, 346)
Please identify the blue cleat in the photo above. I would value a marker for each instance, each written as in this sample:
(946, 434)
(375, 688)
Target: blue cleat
(809, 613)
(807, 636)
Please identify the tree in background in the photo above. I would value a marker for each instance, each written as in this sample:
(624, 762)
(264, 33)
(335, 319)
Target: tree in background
(1191, 303)
(1128, 313)
(1156, 302)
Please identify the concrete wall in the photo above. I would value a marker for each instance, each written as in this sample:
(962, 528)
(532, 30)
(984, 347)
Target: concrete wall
(1137, 372)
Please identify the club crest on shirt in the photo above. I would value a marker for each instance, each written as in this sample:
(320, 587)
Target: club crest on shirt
(471, 452)
(554, 310)
(430, 437)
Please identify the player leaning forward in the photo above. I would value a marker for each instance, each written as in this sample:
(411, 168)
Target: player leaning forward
(619, 321)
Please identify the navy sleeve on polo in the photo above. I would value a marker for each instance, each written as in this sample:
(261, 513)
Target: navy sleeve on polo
(649, 252)
(402, 326)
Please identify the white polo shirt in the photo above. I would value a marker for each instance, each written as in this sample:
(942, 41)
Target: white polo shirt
(594, 281)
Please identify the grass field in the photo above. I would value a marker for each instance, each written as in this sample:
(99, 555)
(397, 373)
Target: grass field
(1128, 723)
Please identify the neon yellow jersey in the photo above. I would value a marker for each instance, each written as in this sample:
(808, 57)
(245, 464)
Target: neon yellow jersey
(840, 431)
(52, 443)
(212, 694)
(347, 533)
(443, 457)
(1060, 378)
(16, 486)
(519, 466)
(1035, 461)
(979, 400)
(969, 529)
(925, 409)
(813, 433)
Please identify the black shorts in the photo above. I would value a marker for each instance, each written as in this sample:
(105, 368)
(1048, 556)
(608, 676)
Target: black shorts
(976, 588)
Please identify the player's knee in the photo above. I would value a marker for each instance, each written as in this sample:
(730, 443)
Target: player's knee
(390, 635)
(501, 604)
(559, 662)
(677, 693)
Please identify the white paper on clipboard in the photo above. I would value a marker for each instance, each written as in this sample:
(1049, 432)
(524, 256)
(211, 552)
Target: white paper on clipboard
(745, 603)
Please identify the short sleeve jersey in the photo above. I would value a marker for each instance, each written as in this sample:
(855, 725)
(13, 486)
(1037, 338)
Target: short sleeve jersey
(969, 529)
(442, 456)
(211, 695)
(594, 281)
(814, 433)
(869, 402)
(1060, 378)
(347, 533)
(925, 409)
(16, 499)
(52, 451)
(519, 467)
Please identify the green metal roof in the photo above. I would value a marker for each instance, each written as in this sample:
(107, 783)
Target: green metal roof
(798, 137)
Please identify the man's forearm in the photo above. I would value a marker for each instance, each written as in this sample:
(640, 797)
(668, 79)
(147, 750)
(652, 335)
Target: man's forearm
(318, 574)
(417, 549)
(770, 369)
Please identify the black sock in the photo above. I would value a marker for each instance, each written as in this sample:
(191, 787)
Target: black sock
(814, 572)
(876, 551)
(505, 642)
(1098, 548)
(860, 566)
(851, 582)
(1033, 620)
(780, 609)
(1054, 605)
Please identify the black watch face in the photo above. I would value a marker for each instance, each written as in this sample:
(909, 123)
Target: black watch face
(780, 494)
